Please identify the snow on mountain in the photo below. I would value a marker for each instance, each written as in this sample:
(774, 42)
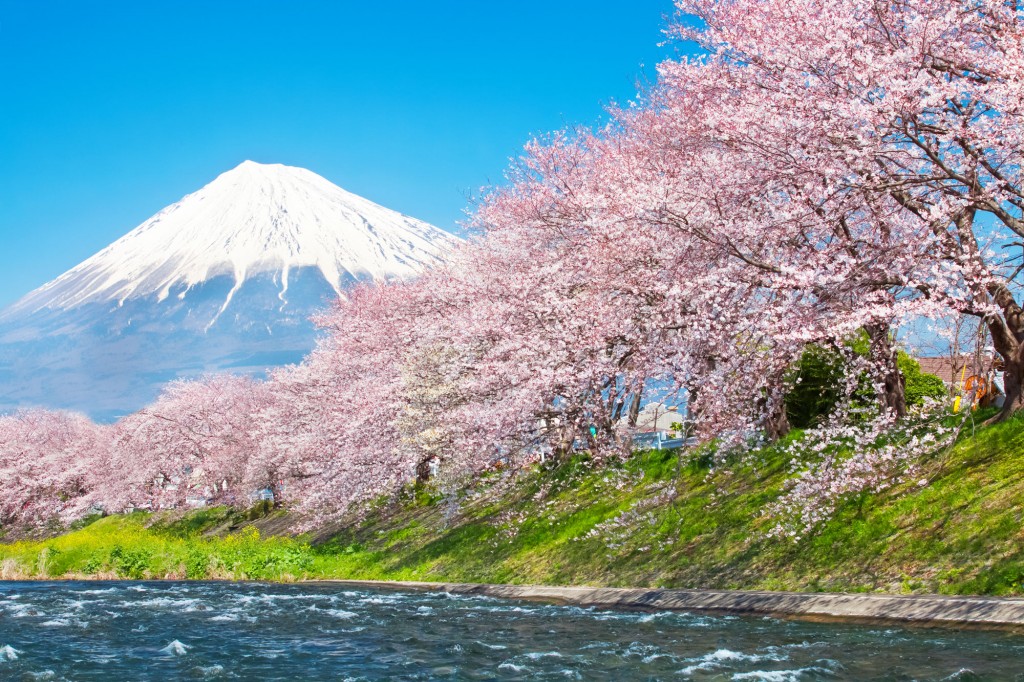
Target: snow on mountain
(252, 219)
(223, 280)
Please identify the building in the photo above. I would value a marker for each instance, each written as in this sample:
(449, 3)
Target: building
(657, 417)
(966, 373)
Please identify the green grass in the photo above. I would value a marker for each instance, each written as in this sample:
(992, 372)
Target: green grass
(650, 521)
(132, 547)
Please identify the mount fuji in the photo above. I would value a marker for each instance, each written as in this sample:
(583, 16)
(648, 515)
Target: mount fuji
(223, 280)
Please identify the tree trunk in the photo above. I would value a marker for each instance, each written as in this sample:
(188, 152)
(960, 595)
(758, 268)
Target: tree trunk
(634, 410)
(1012, 354)
(892, 396)
(771, 410)
(564, 439)
(1007, 332)
(777, 423)
(1013, 385)
(423, 471)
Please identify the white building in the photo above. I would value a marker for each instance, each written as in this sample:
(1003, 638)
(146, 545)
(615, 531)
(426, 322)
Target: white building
(657, 417)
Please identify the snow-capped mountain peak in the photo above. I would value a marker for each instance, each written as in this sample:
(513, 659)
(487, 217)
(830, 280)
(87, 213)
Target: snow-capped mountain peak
(224, 280)
(256, 218)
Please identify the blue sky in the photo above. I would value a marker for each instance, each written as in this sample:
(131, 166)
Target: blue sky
(109, 111)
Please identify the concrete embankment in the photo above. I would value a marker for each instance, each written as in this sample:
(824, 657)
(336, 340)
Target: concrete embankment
(935, 610)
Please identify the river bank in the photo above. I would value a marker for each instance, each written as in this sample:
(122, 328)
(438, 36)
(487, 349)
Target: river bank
(654, 521)
(1001, 613)
(924, 610)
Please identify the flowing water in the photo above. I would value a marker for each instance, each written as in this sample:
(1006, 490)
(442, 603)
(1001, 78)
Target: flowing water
(249, 631)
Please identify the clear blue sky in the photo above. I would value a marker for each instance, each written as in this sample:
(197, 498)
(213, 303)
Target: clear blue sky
(109, 111)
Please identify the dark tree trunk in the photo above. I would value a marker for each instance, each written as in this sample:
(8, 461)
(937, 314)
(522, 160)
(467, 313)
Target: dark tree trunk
(423, 471)
(777, 423)
(892, 397)
(1013, 385)
(1012, 354)
(1007, 333)
(634, 409)
(565, 436)
(772, 412)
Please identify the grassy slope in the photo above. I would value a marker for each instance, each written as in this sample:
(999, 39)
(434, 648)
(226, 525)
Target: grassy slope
(650, 522)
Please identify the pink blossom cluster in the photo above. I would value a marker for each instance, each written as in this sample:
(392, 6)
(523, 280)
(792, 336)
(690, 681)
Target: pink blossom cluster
(842, 460)
(45, 461)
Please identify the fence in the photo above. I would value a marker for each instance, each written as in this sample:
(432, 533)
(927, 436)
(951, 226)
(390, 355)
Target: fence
(658, 440)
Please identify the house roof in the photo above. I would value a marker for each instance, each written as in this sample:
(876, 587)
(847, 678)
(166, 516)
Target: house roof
(951, 369)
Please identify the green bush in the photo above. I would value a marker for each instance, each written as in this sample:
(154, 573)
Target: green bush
(919, 385)
(819, 375)
(197, 564)
(129, 563)
(816, 386)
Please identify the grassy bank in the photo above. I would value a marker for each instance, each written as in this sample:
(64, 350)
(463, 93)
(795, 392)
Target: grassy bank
(650, 521)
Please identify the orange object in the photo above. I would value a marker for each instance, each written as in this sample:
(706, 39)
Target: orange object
(979, 385)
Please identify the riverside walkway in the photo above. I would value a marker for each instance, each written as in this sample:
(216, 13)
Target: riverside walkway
(936, 610)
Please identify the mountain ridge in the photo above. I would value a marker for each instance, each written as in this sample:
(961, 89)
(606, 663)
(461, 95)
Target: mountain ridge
(224, 279)
(338, 232)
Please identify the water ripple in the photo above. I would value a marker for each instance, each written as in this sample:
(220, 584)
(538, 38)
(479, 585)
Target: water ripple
(224, 631)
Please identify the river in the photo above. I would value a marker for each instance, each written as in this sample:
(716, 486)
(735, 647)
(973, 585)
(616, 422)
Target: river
(319, 631)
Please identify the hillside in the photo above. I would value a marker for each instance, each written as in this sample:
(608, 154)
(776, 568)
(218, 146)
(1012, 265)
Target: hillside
(651, 521)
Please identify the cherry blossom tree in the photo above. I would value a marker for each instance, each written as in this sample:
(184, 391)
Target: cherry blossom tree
(194, 442)
(914, 104)
(337, 413)
(46, 463)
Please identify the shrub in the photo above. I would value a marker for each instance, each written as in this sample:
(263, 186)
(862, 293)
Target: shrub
(816, 386)
(129, 563)
(819, 376)
(919, 385)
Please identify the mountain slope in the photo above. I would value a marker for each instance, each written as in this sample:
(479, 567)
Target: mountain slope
(224, 279)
